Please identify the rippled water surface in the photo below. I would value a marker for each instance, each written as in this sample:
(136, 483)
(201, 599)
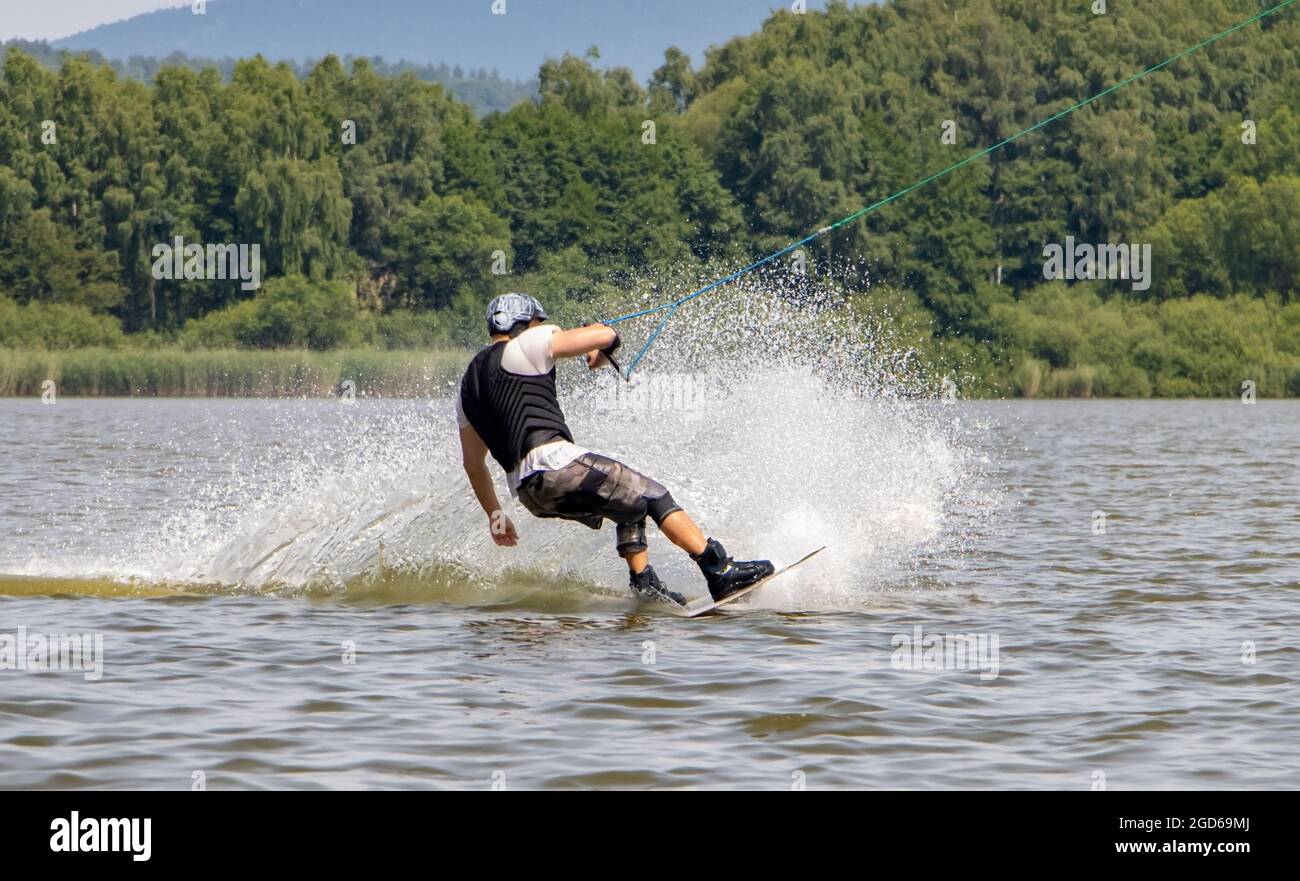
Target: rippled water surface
(302, 594)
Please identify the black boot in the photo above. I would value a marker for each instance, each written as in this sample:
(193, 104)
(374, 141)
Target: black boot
(647, 583)
(724, 575)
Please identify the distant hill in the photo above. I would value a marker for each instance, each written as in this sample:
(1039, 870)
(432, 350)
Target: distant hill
(632, 33)
(484, 90)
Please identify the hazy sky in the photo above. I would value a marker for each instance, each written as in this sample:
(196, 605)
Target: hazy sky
(51, 19)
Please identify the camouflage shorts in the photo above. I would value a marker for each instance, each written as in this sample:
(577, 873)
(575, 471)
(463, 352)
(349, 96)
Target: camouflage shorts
(595, 488)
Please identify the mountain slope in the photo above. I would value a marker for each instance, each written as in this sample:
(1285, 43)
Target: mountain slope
(632, 32)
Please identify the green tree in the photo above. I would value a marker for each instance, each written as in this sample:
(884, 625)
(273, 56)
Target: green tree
(443, 246)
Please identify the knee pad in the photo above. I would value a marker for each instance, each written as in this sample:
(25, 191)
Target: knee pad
(661, 507)
(631, 538)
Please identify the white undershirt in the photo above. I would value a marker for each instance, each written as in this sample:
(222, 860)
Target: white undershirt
(529, 354)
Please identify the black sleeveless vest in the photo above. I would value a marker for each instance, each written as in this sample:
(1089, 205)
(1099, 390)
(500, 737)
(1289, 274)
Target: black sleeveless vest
(511, 413)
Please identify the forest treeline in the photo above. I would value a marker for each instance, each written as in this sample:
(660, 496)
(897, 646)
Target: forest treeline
(483, 89)
(603, 185)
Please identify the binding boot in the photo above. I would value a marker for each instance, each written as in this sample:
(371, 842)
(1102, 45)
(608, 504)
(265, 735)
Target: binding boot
(724, 575)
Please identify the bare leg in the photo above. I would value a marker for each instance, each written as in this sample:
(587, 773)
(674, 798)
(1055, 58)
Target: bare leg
(637, 560)
(682, 531)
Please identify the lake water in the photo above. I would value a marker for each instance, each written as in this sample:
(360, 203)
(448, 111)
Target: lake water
(302, 594)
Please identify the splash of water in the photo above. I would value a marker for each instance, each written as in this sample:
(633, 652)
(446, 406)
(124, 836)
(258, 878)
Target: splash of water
(780, 422)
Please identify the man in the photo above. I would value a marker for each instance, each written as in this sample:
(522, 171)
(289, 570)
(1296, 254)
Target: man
(508, 407)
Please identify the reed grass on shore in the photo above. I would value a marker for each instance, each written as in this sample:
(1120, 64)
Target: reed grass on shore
(300, 373)
(176, 372)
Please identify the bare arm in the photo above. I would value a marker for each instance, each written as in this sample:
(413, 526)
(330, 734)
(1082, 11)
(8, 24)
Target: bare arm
(474, 458)
(581, 340)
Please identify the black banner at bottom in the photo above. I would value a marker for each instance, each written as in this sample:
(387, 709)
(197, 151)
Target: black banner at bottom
(122, 830)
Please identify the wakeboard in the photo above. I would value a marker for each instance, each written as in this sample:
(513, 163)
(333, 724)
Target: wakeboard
(706, 605)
